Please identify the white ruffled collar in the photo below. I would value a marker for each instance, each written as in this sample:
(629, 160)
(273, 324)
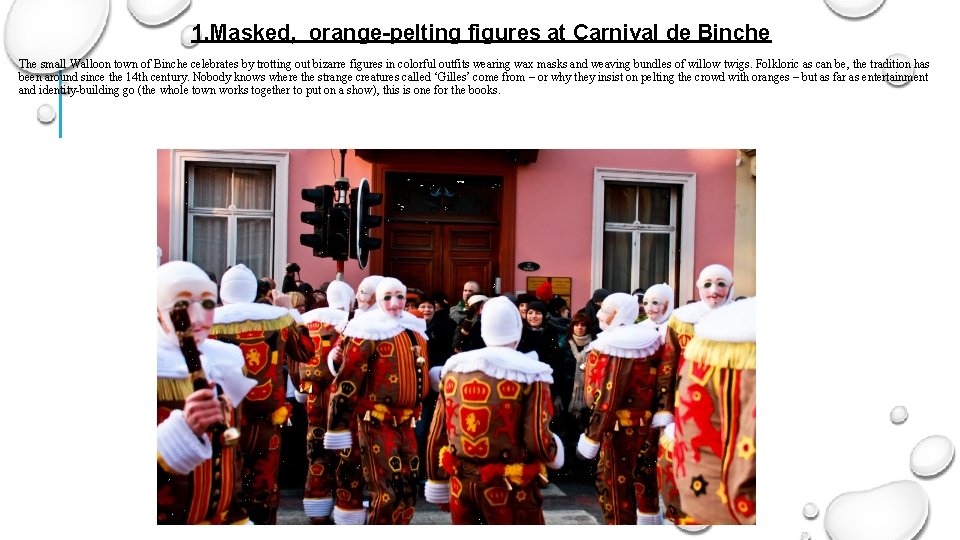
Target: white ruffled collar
(692, 313)
(501, 363)
(378, 324)
(632, 341)
(234, 313)
(222, 363)
(325, 315)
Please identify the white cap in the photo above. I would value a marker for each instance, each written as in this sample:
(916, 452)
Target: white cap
(663, 293)
(386, 285)
(340, 295)
(624, 305)
(476, 298)
(179, 276)
(718, 271)
(238, 286)
(367, 290)
(501, 323)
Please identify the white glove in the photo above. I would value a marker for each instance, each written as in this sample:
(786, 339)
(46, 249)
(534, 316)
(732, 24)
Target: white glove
(557, 462)
(299, 396)
(434, 374)
(661, 419)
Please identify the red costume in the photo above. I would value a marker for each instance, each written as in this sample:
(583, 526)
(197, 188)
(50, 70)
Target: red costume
(490, 441)
(380, 387)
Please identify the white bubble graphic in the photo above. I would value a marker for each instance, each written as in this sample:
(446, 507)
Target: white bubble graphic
(901, 67)
(154, 12)
(931, 456)
(49, 31)
(693, 528)
(898, 414)
(894, 511)
(854, 8)
(46, 113)
(187, 35)
(805, 536)
(810, 511)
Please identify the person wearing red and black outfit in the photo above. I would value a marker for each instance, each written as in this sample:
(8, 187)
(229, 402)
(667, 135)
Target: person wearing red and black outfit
(491, 438)
(269, 337)
(380, 387)
(198, 476)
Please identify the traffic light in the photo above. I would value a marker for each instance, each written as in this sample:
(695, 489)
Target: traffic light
(361, 221)
(322, 199)
(338, 223)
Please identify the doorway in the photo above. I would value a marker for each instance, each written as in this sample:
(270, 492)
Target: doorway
(442, 229)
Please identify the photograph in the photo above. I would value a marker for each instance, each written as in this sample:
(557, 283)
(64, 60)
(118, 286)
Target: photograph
(377, 297)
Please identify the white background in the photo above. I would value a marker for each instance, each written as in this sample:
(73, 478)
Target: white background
(856, 218)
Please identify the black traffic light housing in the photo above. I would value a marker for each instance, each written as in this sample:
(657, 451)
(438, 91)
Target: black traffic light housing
(338, 223)
(322, 199)
(361, 221)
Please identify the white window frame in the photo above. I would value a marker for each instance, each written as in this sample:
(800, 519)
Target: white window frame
(686, 182)
(280, 161)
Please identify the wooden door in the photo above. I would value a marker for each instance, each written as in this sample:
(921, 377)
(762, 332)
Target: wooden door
(442, 256)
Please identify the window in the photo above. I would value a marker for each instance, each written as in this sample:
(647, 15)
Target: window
(230, 217)
(643, 226)
(229, 207)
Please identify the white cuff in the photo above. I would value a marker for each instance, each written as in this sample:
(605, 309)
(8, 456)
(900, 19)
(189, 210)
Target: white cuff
(668, 432)
(330, 359)
(349, 517)
(558, 459)
(299, 396)
(587, 448)
(318, 507)
(437, 492)
(337, 440)
(661, 419)
(179, 446)
(649, 519)
(435, 377)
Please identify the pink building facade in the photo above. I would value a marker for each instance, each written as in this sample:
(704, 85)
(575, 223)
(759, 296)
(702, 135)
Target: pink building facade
(621, 219)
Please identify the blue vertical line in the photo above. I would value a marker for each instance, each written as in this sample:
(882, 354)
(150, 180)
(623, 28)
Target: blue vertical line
(60, 105)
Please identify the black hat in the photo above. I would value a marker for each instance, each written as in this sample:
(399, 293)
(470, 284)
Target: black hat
(525, 298)
(537, 305)
(600, 295)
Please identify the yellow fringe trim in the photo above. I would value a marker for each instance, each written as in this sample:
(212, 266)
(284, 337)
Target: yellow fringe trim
(722, 354)
(173, 389)
(279, 416)
(232, 329)
(680, 327)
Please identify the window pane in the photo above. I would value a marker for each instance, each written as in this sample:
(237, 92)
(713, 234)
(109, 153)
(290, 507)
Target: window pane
(254, 189)
(654, 205)
(620, 203)
(211, 187)
(654, 259)
(210, 244)
(254, 245)
(616, 261)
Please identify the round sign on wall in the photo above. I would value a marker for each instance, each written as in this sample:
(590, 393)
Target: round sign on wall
(528, 266)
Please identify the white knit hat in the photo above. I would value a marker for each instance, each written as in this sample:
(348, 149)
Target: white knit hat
(178, 276)
(340, 295)
(238, 286)
(624, 305)
(501, 322)
(367, 290)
